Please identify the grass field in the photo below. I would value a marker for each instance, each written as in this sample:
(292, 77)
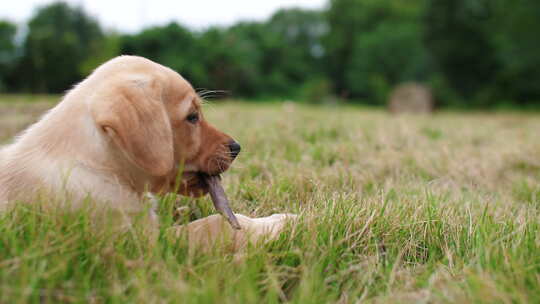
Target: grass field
(441, 208)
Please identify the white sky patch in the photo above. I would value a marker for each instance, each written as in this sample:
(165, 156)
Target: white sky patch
(133, 15)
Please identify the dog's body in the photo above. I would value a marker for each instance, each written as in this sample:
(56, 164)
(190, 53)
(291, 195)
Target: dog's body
(66, 151)
(125, 130)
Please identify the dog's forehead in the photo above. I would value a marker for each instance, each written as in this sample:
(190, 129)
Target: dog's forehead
(189, 103)
(185, 95)
(178, 85)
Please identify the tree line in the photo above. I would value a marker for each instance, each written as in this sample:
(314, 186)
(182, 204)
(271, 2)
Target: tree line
(472, 53)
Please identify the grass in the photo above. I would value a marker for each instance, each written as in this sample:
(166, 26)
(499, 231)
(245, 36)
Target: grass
(441, 208)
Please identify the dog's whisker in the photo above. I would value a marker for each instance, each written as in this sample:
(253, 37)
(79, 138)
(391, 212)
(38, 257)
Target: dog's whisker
(208, 94)
(209, 97)
(204, 93)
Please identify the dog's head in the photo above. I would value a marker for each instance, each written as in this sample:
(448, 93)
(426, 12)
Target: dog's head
(154, 117)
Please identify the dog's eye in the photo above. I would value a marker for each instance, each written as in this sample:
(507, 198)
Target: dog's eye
(193, 117)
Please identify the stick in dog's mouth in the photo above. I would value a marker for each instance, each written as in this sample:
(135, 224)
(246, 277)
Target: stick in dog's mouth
(219, 198)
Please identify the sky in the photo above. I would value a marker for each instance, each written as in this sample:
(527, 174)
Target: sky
(132, 15)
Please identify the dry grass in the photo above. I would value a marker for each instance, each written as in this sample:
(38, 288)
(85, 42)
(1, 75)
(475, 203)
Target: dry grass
(440, 208)
(17, 111)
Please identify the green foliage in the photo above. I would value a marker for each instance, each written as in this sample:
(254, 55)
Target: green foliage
(232, 60)
(171, 45)
(471, 53)
(379, 57)
(216, 58)
(486, 49)
(246, 59)
(295, 50)
(7, 51)
(518, 49)
(317, 91)
(374, 45)
(60, 39)
(109, 48)
(457, 34)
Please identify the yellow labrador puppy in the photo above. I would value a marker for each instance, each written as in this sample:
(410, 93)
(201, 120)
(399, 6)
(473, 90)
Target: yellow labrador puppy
(122, 132)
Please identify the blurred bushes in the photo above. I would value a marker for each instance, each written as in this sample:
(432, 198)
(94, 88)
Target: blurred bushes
(59, 41)
(7, 52)
(473, 53)
(317, 91)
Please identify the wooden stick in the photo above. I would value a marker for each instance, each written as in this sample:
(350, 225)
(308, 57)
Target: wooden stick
(219, 198)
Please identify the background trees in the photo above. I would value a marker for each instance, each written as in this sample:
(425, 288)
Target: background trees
(172, 45)
(373, 45)
(471, 52)
(513, 33)
(59, 41)
(7, 52)
(457, 34)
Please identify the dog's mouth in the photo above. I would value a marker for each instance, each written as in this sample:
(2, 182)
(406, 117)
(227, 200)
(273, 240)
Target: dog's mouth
(192, 184)
(199, 183)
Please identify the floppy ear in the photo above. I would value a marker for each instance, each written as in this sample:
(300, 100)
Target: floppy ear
(133, 115)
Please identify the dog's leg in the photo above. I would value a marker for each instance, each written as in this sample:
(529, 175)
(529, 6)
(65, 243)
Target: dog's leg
(214, 230)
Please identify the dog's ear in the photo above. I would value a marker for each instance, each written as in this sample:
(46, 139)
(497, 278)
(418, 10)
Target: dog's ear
(133, 115)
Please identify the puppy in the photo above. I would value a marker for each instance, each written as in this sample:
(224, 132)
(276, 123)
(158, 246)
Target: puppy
(126, 130)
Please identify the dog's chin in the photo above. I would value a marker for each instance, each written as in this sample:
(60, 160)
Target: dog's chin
(193, 185)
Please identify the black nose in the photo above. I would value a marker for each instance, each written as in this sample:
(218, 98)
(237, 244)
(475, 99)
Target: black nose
(235, 148)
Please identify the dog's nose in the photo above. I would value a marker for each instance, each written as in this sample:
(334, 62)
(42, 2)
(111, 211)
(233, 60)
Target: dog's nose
(235, 148)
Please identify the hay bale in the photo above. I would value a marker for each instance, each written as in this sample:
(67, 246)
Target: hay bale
(411, 98)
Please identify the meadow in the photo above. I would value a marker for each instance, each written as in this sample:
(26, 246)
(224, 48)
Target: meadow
(394, 209)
